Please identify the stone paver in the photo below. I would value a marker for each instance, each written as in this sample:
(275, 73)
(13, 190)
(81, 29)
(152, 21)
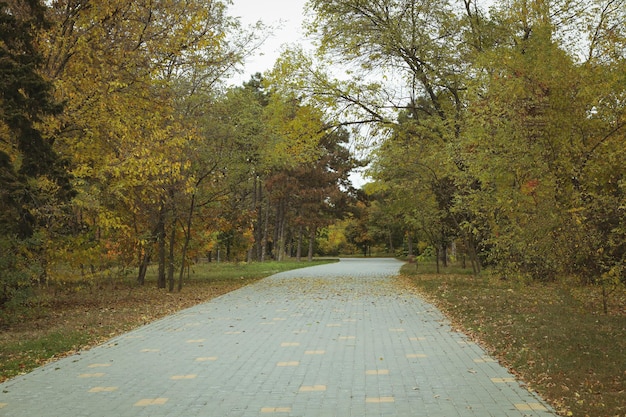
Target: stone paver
(334, 340)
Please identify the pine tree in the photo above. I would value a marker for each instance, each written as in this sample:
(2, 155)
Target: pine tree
(25, 97)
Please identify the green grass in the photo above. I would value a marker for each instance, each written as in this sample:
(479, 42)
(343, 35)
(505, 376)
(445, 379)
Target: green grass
(224, 271)
(27, 354)
(553, 336)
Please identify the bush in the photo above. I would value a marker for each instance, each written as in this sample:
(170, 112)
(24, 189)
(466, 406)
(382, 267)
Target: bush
(16, 277)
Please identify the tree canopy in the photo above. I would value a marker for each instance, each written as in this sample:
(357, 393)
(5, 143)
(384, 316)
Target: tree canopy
(508, 131)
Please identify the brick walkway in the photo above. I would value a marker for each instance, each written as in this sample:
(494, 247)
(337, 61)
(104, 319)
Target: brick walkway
(334, 340)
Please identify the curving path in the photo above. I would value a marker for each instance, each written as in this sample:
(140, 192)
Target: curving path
(332, 340)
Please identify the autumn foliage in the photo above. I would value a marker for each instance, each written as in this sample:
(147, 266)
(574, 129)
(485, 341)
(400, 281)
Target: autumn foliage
(151, 158)
(501, 129)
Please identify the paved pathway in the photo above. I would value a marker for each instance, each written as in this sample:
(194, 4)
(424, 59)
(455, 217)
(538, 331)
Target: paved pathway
(334, 340)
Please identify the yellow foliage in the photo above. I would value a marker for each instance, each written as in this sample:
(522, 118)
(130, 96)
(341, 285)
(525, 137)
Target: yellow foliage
(296, 131)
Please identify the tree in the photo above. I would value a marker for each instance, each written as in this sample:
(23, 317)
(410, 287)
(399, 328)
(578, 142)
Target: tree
(26, 98)
(421, 48)
(532, 134)
(34, 183)
(357, 228)
(500, 150)
(323, 192)
(417, 42)
(134, 75)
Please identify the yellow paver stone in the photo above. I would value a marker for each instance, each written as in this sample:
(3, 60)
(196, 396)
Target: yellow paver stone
(207, 359)
(181, 377)
(530, 407)
(96, 375)
(312, 388)
(292, 363)
(103, 389)
(417, 339)
(196, 340)
(397, 330)
(99, 365)
(502, 380)
(2, 405)
(266, 410)
(150, 401)
(150, 350)
(416, 355)
(289, 344)
(314, 352)
(380, 400)
(347, 337)
(377, 372)
(484, 359)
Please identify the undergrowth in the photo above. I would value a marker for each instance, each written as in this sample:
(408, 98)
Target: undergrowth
(553, 336)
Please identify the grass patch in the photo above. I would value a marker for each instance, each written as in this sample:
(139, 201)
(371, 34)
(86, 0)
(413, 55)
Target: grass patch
(63, 319)
(226, 271)
(552, 336)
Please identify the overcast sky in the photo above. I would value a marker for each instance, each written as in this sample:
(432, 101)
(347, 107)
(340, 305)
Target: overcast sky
(286, 15)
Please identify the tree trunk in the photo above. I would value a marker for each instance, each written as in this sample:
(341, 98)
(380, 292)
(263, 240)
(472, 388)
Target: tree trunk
(281, 233)
(141, 256)
(410, 243)
(143, 268)
(299, 248)
(170, 266)
(258, 230)
(476, 267)
(161, 240)
(605, 297)
(145, 254)
(312, 233)
(276, 244)
(187, 231)
(265, 233)
(289, 247)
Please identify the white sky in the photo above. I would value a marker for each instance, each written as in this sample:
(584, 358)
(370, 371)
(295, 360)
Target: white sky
(285, 15)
